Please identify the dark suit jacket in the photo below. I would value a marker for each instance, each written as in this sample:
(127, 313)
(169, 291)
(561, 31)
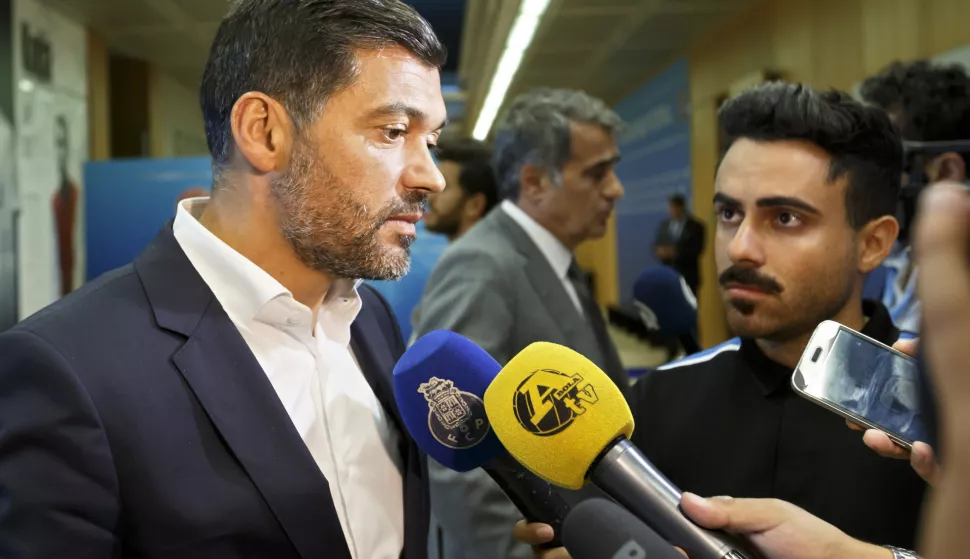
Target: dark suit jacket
(135, 422)
(687, 249)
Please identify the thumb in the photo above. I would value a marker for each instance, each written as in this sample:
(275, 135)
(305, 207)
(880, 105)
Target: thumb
(743, 516)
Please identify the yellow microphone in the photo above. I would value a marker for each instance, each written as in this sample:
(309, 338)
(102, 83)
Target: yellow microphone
(563, 419)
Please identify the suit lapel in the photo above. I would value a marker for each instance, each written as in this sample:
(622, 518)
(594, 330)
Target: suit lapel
(240, 401)
(549, 287)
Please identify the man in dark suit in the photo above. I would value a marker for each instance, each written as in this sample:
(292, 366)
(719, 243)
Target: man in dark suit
(680, 242)
(229, 393)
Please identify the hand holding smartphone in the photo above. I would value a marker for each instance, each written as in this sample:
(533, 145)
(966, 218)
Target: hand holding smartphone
(862, 380)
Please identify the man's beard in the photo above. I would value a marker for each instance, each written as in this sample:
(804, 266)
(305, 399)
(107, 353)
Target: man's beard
(447, 224)
(331, 230)
(821, 300)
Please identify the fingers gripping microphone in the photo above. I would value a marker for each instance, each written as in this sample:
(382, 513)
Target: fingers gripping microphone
(667, 305)
(561, 417)
(439, 384)
(599, 529)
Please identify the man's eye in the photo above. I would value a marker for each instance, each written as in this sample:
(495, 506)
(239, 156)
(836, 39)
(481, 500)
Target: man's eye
(394, 133)
(727, 215)
(788, 219)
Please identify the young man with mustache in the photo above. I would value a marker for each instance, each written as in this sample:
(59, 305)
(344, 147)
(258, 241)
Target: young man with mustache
(804, 199)
(229, 393)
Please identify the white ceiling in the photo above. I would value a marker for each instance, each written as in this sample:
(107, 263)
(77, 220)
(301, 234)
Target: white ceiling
(606, 47)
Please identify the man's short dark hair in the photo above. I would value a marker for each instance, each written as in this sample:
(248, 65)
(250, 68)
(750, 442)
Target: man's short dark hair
(475, 161)
(300, 52)
(864, 145)
(678, 201)
(932, 101)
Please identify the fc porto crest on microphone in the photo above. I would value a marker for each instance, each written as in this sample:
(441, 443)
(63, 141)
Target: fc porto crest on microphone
(548, 401)
(457, 419)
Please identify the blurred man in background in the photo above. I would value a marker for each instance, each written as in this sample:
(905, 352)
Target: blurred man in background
(470, 190)
(513, 279)
(470, 193)
(929, 103)
(680, 242)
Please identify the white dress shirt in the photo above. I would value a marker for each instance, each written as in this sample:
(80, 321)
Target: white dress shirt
(556, 253)
(318, 381)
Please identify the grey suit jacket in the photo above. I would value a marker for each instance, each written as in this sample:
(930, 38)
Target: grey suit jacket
(495, 287)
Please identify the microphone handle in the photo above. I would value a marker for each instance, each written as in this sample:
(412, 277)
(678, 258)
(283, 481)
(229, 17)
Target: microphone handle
(536, 499)
(625, 474)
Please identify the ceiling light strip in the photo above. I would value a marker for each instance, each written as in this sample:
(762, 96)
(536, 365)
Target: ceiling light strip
(523, 30)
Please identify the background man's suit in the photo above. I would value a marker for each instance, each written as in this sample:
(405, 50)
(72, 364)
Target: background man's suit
(688, 246)
(494, 286)
(135, 422)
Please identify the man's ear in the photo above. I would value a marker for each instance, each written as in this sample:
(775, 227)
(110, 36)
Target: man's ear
(532, 181)
(948, 167)
(878, 237)
(475, 207)
(262, 132)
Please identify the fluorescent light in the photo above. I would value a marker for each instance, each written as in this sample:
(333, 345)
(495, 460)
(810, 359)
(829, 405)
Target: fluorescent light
(523, 30)
(26, 85)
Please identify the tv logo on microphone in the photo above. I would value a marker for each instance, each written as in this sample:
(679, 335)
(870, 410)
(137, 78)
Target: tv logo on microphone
(548, 401)
(457, 419)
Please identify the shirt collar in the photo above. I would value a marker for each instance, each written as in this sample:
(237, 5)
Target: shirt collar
(774, 377)
(244, 289)
(556, 253)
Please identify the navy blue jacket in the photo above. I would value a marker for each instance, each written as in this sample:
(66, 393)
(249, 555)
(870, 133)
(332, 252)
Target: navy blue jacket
(136, 422)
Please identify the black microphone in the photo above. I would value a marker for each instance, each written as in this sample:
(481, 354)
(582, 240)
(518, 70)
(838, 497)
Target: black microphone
(599, 529)
(667, 305)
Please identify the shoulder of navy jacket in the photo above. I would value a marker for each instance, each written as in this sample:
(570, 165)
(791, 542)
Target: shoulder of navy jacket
(729, 347)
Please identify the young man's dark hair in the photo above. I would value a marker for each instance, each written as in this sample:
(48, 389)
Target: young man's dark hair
(678, 200)
(863, 144)
(476, 175)
(300, 52)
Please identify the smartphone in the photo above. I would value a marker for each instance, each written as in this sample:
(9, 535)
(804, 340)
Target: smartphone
(862, 380)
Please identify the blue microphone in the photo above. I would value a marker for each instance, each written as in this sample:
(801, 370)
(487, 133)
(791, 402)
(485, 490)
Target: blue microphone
(439, 385)
(667, 305)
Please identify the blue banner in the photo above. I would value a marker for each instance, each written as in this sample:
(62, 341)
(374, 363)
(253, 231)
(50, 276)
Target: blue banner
(127, 202)
(655, 165)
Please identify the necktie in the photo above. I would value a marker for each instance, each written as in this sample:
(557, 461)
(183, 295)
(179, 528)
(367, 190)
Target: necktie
(611, 360)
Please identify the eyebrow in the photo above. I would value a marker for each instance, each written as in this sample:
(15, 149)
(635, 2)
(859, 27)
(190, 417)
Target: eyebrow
(612, 160)
(771, 202)
(403, 109)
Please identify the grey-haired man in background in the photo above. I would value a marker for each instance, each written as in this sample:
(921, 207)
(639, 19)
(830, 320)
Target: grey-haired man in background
(513, 280)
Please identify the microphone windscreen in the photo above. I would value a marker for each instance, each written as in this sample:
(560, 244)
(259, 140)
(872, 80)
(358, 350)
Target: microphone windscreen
(668, 297)
(439, 383)
(600, 529)
(555, 411)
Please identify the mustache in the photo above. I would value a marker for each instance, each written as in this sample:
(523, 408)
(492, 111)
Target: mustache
(749, 277)
(411, 202)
